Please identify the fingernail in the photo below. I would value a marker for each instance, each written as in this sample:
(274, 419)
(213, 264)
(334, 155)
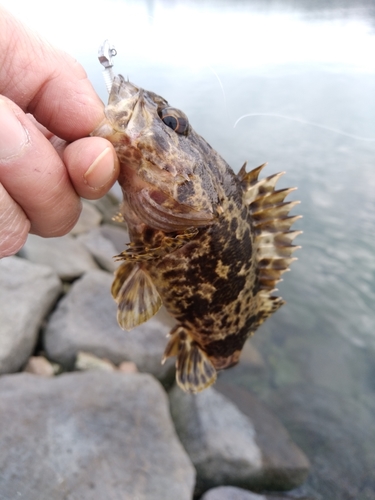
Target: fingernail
(101, 170)
(13, 136)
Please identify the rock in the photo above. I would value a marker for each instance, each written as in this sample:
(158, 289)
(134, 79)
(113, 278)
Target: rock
(233, 493)
(90, 218)
(117, 235)
(85, 320)
(87, 361)
(89, 436)
(39, 365)
(108, 206)
(67, 256)
(285, 466)
(27, 293)
(101, 248)
(219, 439)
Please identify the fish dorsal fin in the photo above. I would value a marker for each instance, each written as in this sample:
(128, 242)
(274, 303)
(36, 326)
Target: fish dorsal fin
(136, 295)
(273, 236)
(194, 370)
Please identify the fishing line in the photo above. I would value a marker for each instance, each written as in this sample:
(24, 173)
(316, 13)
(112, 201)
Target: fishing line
(306, 122)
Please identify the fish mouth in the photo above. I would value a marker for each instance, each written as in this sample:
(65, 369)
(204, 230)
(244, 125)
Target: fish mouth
(122, 89)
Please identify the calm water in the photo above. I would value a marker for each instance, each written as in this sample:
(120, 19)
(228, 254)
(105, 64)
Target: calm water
(305, 73)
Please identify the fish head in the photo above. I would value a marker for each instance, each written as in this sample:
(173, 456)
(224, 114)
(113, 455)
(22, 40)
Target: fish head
(162, 163)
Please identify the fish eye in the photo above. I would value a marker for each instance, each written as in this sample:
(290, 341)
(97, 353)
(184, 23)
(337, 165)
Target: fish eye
(175, 119)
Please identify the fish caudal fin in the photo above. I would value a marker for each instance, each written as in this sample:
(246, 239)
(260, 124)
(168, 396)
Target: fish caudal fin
(135, 294)
(194, 370)
(273, 237)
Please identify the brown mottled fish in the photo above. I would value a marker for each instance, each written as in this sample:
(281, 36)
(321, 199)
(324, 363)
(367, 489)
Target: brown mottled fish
(208, 244)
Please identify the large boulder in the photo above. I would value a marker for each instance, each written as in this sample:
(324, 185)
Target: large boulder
(89, 436)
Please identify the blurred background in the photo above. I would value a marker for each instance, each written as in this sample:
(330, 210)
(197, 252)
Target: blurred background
(290, 83)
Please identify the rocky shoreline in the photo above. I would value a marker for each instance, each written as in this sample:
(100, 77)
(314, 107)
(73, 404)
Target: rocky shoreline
(88, 411)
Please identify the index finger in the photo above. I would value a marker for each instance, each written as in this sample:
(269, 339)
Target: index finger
(46, 82)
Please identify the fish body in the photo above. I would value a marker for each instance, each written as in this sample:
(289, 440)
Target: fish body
(208, 244)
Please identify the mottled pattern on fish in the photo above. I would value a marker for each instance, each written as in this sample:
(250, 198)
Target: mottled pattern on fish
(208, 244)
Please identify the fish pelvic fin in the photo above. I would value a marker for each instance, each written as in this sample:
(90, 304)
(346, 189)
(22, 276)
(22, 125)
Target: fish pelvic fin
(135, 294)
(194, 369)
(273, 235)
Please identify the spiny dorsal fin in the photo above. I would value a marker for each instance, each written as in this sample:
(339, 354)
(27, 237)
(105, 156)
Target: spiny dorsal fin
(135, 294)
(273, 237)
(194, 370)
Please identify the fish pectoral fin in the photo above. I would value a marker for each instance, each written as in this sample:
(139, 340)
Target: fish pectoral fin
(194, 368)
(136, 295)
(137, 253)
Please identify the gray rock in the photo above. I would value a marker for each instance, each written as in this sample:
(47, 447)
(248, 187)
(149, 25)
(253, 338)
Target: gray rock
(101, 248)
(285, 466)
(27, 293)
(219, 439)
(85, 320)
(109, 205)
(90, 218)
(118, 235)
(67, 256)
(89, 436)
(233, 493)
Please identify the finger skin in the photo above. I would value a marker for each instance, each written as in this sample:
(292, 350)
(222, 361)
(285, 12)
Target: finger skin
(37, 180)
(46, 82)
(14, 225)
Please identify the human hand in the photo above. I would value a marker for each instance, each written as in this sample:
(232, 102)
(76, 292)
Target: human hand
(47, 162)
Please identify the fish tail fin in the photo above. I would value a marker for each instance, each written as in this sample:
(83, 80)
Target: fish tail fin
(194, 370)
(136, 295)
(273, 236)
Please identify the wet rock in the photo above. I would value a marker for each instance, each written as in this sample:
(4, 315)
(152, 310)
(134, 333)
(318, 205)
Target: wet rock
(89, 436)
(39, 365)
(65, 255)
(219, 439)
(90, 218)
(285, 466)
(233, 493)
(101, 248)
(27, 293)
(85, 320)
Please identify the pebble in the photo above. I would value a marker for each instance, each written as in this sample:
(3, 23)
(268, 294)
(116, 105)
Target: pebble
(39, 365)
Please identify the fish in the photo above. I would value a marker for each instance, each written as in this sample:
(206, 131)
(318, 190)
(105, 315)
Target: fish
(208, 244)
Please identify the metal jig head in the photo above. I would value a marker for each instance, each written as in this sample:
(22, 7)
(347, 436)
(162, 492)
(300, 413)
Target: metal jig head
(105, 54)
